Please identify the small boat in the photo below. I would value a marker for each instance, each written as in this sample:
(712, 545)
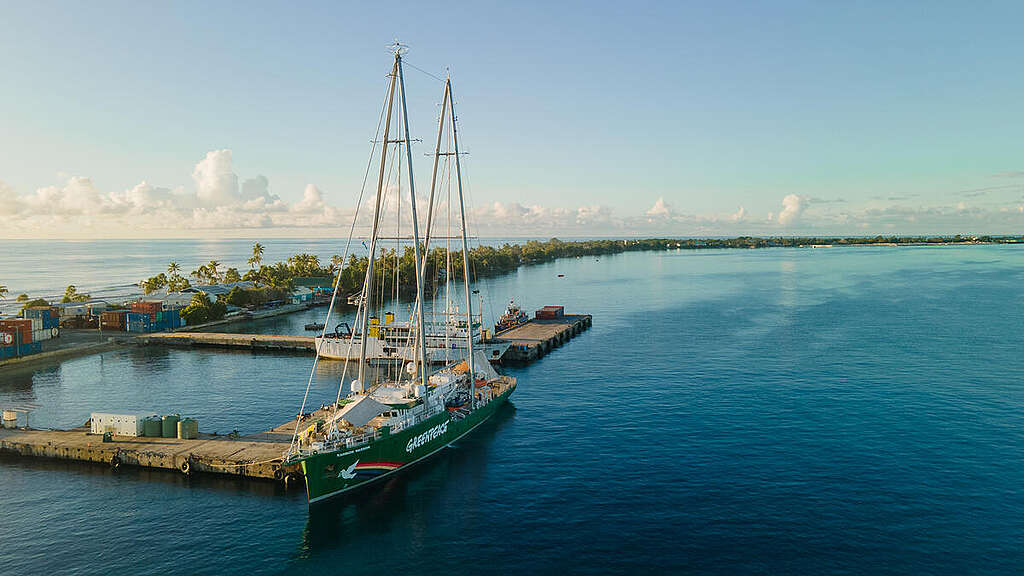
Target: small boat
(513, 316)
(315, 326)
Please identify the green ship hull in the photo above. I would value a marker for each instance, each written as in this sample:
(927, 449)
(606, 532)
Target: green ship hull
(332, 473)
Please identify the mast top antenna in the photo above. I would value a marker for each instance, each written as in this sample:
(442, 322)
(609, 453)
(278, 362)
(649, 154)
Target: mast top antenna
(397, 48)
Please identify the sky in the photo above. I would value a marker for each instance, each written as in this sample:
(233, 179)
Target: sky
(580, 119)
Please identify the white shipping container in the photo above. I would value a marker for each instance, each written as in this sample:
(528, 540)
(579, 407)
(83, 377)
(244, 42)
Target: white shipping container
(73, 310)
(37, 324)
(117, 424)
(42, 334)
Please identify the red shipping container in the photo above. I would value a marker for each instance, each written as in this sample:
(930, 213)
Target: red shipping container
(147, 307)
(21, 326)
(550, 312)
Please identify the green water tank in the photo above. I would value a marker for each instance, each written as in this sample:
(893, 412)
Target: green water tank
(188, 429)
(170, 425)
(152, 427)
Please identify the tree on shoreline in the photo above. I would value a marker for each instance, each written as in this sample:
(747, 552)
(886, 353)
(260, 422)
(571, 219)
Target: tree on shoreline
(257, 256)
(71, 294)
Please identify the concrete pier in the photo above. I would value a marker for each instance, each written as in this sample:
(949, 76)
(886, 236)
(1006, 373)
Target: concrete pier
(529, 341)
(225, 340)
(257, 457)
(537, 337)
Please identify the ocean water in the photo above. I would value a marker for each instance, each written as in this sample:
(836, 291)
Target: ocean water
(844, 411)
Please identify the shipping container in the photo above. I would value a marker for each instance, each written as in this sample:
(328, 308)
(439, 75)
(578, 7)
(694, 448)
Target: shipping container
(74, 310)
(119, 424)
(550, 312)
(172, 319)
(48, 314)
(30, 348)
(41, 334)
(21, 327)
(143, 307)
(113, 320)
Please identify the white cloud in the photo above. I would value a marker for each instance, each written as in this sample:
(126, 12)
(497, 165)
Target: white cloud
(312, 201)
(219, 202)
(661, 209)
(78, 208)
(9, 202)
(216, 181)
(793, 206)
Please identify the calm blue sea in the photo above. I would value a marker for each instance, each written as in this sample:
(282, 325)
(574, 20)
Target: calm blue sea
(781, 411)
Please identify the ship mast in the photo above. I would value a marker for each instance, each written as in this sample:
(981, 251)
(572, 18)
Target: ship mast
(465, 248)
(368, 282)
(448, 111)
(420, 329)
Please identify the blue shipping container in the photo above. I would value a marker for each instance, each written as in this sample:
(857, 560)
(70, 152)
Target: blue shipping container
(137, 318)
(32, 348)
(8, 352)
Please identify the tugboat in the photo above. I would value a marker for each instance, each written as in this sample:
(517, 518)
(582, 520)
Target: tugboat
(513, 316)
(392, 419)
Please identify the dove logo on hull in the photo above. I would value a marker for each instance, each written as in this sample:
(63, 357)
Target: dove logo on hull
(348, 473)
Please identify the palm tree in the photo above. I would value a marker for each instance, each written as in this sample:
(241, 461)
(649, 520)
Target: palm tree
(173, 268)
(213, 271)
(257, 255)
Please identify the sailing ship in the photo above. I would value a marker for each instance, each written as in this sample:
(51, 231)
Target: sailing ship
(391, 420)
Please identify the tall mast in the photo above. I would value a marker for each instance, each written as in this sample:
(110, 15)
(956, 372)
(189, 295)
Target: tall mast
(433, 176)
(465, 248)
(368, 283)
(421, 332)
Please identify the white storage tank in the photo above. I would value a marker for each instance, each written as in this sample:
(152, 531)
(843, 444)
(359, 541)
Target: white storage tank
(117, 424)
(9, 418)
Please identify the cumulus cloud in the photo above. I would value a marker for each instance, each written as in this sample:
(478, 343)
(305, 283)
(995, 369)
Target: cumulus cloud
(661, 209)
(793, 206)
(217, 202)
(215, 178)
(9, 202)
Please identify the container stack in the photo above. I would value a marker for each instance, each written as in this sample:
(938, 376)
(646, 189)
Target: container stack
(113, 320)
(138, 322)
(16, 337)
(550, 313)
(39, 333)
(151, 317)
(49, 315)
